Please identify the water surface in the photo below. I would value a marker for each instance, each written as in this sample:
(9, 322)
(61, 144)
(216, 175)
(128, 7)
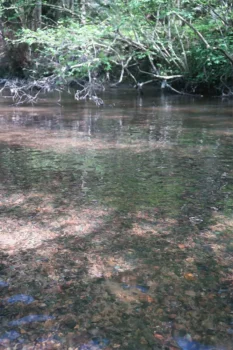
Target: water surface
(116, 224)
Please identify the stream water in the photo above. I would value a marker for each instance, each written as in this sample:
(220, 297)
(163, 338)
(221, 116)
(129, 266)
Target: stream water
(116, 224)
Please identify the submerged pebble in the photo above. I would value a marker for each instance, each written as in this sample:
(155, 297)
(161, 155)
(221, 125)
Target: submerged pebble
(185, 344)
(43, 259)
(143, 289)
(53, 339)
(89, 346)
(20, 298)
(100, 341)
(30, 319)
(3, 284)
(11, 335)
(95, 344)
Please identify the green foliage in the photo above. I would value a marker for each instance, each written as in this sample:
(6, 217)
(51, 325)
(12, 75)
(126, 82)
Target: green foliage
(206, 65)
(85, 40)
(67, 51)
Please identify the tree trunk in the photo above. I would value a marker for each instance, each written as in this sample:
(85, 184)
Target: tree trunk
(37, 15)
(82, 8)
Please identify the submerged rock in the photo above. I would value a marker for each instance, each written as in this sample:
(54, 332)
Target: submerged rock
(30, 319)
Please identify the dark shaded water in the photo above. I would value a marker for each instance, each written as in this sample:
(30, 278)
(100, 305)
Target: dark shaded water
(116, 224)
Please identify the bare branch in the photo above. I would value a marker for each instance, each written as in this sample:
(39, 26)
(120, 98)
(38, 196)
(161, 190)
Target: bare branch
(88, 91)
(123, 67)
(179, 92)
(162, 77)
(22, 91)
(193, 28)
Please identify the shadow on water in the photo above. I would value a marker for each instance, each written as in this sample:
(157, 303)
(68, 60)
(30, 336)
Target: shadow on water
(116, 225)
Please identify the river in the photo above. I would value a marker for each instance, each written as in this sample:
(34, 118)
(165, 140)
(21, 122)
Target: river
(116, 223)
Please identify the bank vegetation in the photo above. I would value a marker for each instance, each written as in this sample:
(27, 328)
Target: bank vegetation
(179, 45)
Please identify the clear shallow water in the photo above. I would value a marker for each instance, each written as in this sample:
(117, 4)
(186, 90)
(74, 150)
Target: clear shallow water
(116, 223)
